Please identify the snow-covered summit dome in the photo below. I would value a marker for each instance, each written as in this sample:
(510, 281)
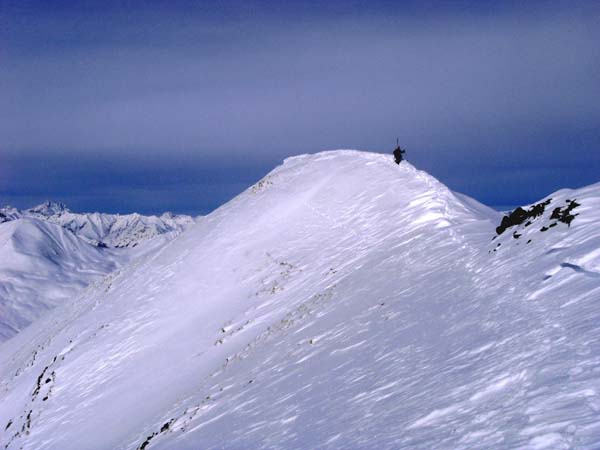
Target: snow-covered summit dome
(342, 301)
(357, 187)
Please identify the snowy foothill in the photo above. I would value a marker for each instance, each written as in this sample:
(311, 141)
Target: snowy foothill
(49, 254)
(41, 264)
(342, 302)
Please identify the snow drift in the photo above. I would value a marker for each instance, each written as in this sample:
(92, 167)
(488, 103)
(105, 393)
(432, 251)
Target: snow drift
(341, 302)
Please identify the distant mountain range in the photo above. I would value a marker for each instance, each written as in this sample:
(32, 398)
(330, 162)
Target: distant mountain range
(99, 229)
(48, 254)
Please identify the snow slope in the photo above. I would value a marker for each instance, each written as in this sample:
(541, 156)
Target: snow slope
(341, 302)
(40, 265)
(49, 254)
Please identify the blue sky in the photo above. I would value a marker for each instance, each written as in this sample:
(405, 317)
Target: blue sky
(151, 106)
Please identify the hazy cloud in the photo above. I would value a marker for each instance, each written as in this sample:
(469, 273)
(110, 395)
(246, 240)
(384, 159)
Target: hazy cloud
(466, 90)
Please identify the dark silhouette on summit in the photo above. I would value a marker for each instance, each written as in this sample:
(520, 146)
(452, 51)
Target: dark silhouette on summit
(398, 152)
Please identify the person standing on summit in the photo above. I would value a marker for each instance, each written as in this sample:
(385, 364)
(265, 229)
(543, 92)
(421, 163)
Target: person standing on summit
(398, 152)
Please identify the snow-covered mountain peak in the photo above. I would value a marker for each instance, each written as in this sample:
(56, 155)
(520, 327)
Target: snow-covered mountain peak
(341, 294)
(49, 208)
(349, 180)
(9, 213)
(100, 229)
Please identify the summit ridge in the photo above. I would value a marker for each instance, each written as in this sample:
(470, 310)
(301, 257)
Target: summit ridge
(343, 301)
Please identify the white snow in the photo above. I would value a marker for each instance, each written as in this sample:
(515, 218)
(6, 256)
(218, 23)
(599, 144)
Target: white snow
(40, 265)
(49, 254)
(110, 230)
(341, 302)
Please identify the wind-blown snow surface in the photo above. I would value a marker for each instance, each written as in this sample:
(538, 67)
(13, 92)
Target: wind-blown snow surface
(342, 302)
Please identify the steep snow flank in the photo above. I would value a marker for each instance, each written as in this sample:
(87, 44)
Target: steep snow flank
(105, 230)
(40, 265)
(341, 302)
